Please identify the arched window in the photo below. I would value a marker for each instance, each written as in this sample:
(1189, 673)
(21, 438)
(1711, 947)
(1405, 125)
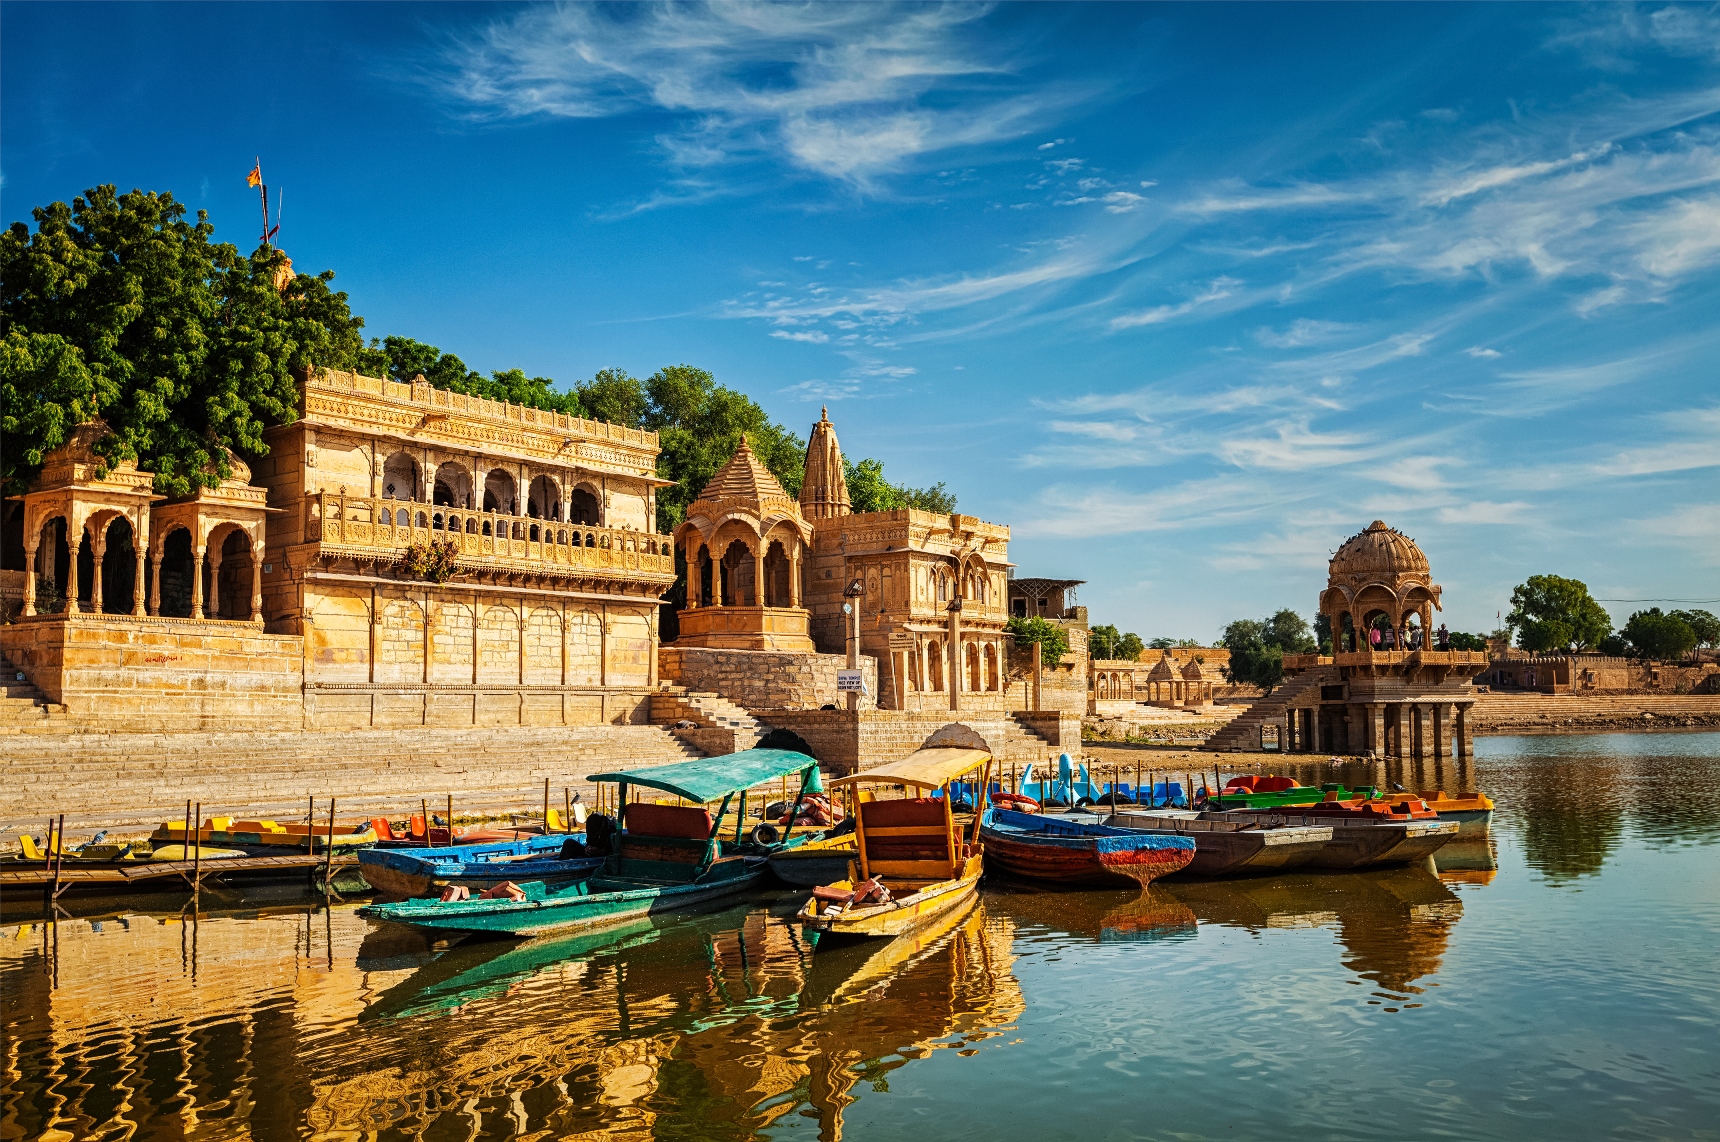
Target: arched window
(472, 527)
(421, 521)
(561, 538)
(499, 491)
(543, 499)
(400, 477)
(590, 539)
(583, 508)
(436, 521)
(453, 486)
(385, 519)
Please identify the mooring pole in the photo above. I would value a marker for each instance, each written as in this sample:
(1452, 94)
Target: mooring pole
(546, 806)
(197, 857)
(424, 816)
(59, 854)
(328, 851)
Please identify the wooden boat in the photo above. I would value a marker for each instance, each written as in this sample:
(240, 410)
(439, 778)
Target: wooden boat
(914, 846)
(820, 860)
(264, 837)
(1265, 791)
(403, 873)
(1472, 811)
(662, 858)
(1359, 840)
(1077, 853)
(1231, 848)
(442, 837)
(116, 853)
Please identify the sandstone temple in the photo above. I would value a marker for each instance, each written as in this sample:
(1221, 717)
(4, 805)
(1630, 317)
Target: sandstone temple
(1386, 688)
(426, 568)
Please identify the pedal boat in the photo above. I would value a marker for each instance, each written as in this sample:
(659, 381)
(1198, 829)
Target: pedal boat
(1265, 791)
(1233, 848)
(663, 858)
(927, 857)
(1078, 854)
(1472, 811)
(266, 838)
(404, 873)
(1364, 834)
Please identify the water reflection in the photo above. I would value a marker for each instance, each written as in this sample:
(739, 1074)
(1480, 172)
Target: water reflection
(715, 1026)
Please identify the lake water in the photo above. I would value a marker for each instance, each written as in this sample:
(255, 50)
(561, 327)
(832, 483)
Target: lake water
(1557, 982)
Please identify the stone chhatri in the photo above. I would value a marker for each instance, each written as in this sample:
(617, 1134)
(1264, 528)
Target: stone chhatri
(824, 490)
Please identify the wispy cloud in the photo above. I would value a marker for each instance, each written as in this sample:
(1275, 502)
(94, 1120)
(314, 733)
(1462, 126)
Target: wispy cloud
(1301, 333)
(1218, 290)
(811, 336)
(847, 91)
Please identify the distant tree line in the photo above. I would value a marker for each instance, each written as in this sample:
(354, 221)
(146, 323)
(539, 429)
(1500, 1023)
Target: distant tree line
(1550, 614)
(119, 308)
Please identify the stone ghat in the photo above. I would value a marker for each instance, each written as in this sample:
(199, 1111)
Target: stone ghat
(1569, 713)
(132, 780)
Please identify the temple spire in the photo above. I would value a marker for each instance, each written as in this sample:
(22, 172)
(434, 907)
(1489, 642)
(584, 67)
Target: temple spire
(824, 490)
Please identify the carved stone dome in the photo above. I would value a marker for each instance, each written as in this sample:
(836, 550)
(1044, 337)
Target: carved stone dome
(1380, 550)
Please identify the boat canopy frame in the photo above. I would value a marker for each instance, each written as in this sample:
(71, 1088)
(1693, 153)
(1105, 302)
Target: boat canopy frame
(924, 769)
(708, 779)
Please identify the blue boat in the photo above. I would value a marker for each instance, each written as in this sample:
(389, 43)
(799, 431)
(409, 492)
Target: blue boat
(1075, 853)
(1070, 784)
(658, 857)
(404, 873)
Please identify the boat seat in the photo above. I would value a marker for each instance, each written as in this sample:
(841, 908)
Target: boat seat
(384, 831)
(1274, 784)
(917, 829)
(690, 822)
(1243, 784)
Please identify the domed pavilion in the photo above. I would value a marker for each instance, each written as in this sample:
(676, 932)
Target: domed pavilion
(1387, 688)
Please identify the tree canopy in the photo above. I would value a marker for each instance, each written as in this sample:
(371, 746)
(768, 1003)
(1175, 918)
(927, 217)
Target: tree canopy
(1165, 643)
(117, 308)
(1053, 640)
(1550, 612)
(1703, 624)
(1105, 642)
(1257, 647)
(1661, 636)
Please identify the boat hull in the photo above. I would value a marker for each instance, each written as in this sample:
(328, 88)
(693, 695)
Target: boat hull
(900, 916)
(1083, 856)
(1372, 844)
(574, 909)
(1238, 852)
(406, 873)
(814, 863)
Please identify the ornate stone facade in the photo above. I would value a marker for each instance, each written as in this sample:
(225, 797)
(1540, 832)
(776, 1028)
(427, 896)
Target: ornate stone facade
(543, 607)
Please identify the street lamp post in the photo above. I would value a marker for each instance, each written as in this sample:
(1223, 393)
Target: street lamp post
(851, 608)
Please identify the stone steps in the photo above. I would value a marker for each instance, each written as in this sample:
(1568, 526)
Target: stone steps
(673, 704)
(138, 779)
(1243, 731)
(24, 708)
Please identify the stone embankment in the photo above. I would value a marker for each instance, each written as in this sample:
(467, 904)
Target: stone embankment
(1500, 714)
(129, 781)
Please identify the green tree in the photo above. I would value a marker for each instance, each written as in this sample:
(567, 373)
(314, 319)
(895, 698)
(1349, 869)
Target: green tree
(1105, 641)
(869, 491)
(1660, 636)
(1462, 641)
(1053, 640)
(1553, 613)
(118, 308)
(1257, 647)
(1289, 633)
(1703, 624)
(699, 425)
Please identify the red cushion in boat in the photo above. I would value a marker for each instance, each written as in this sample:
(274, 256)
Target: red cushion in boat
(689, 821)
(1273, 784)
(1243, 784)
(902, 812)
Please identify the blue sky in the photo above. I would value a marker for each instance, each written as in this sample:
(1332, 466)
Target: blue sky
(1185, 295)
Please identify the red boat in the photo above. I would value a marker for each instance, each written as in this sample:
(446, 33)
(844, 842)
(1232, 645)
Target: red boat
(1073, 853)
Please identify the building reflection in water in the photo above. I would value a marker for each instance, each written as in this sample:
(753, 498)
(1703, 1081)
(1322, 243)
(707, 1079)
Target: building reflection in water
(314, 1025)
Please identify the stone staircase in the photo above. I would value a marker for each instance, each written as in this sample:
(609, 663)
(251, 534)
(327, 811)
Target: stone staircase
(1243, 732)
(25, 709)
(131, 779)
(672, 704)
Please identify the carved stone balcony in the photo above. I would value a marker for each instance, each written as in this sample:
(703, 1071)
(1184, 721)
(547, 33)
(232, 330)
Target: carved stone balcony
(487, 540)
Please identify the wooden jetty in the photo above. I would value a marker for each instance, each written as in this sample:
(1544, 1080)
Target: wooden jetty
(78, 875)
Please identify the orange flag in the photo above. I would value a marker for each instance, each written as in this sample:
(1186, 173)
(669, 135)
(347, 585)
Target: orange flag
(255, 178)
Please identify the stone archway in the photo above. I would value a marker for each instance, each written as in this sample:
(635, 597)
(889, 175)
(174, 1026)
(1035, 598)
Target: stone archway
(956, 735)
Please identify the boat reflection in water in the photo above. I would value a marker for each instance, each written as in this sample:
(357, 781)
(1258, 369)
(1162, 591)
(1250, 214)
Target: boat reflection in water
(710, 1026)
(1394, 923)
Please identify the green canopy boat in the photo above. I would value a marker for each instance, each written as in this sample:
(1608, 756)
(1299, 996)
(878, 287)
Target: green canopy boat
(1265, 791)
(660, 857)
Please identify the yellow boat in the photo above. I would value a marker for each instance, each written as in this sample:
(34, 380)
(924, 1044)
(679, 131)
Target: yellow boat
(266, 838)
(915, 846)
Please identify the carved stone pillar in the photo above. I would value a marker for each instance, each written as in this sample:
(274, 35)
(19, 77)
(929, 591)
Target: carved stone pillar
(197, 554)
(98, 552)
(955, 657)
(1440, 749)
(1377, 727)
(758, 575)
(212, 606)
(694, 585)
(794, 577)
(30, 574)
(155, 579)
(139, 552)
(1460, 735)
(256, 584)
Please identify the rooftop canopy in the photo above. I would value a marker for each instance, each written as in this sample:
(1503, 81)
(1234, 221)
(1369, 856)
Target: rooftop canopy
(926, 768)
(709, 778)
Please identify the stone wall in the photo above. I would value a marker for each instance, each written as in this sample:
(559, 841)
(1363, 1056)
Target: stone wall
(765, 679)
(1597, 674)
(125, 672)
(380, 706)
